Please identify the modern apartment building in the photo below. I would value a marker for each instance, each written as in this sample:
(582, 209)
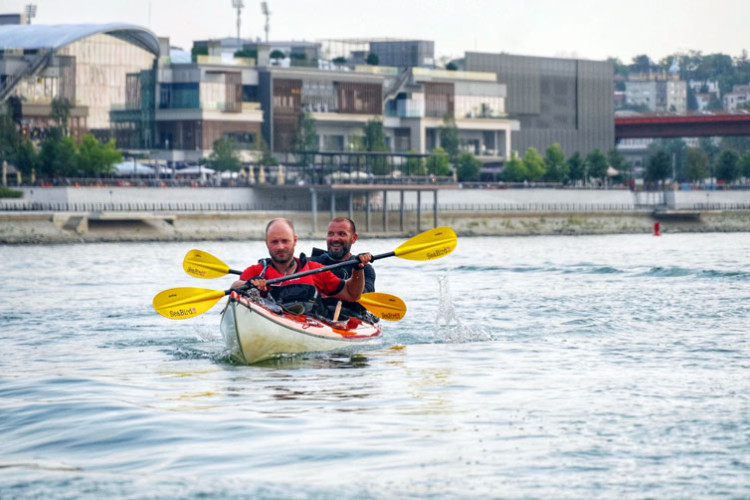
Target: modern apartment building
(568, 101)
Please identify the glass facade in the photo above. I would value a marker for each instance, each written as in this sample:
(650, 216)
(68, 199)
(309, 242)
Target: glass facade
(102, 65)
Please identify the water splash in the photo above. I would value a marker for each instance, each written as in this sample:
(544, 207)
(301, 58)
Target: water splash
(448, 326)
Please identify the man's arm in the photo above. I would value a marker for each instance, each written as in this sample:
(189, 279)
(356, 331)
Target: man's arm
(354, 286)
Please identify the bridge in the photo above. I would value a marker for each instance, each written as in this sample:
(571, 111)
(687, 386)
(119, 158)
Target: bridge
(671, 126)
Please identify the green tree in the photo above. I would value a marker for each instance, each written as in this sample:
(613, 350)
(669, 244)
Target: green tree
(451, 66)
(514, 170)
(9, 136)
(95, 158)
(708, 146)
(596, 164)
(198, 51)
(468, 168)
(576, 168)
(414, 165)
(727, 166)
(225, 155)
(534, 164)
(339, 60)
(374, 142)
(697, 165)
(58, 155)
(26, 157)
(658, 167)
(305, 134)
(60, 112)
(554, 164)
(266, 158)
(277, 54)
(438, 163)
(372, 59)
(744, 165)
(617, 161)
(449, 136)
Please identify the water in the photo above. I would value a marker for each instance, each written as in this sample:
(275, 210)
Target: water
(536, 367)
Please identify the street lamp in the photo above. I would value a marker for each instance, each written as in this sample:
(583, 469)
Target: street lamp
(30, 12)
(238, 4)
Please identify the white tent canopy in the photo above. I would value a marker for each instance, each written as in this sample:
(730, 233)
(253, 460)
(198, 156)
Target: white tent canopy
(125, 168)
(195, 170)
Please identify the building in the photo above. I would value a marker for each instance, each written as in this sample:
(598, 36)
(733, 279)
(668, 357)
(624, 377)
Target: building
(87, 64)
(737, 99)
(565, 101)
(657, 92)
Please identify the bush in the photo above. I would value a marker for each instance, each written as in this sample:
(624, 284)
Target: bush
(10, 193)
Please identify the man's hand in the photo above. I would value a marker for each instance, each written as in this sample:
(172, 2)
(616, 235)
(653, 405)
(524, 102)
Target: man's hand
(364, 258)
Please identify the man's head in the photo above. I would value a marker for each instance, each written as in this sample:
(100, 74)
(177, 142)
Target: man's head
(342, 233)
(281, 240)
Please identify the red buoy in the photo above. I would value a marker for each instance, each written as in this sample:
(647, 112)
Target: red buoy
(656, 229)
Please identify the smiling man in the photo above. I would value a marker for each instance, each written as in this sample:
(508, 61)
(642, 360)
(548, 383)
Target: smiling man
(342, 234)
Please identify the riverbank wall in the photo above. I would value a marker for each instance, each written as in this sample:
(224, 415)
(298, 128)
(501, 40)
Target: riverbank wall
(76, 227)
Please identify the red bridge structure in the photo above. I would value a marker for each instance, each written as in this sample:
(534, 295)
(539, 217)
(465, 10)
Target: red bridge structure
(663, 126)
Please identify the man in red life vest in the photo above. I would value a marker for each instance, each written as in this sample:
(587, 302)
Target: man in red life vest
(280, 241)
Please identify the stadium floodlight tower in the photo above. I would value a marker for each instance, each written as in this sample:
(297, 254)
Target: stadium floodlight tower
(238, 4)
(267, 13)
(30, 12)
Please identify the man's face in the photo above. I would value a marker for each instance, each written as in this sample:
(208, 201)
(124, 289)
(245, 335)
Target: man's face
(280, 241)
(340, 239)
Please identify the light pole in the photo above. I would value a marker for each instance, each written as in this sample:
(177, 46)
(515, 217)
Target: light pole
(238, 4)
(267, 13)
(30, 12)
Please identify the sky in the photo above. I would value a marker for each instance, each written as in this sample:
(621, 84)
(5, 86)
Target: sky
(586, 29)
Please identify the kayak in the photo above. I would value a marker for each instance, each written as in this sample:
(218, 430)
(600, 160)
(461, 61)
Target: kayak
(253, 331)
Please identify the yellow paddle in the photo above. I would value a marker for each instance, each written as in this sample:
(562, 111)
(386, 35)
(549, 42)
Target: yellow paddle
(188, 302)
(428, 245)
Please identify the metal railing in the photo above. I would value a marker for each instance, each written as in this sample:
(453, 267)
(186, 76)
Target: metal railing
(15, 205)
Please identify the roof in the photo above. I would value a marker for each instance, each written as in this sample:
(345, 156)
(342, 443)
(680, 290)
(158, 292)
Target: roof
(56, 36)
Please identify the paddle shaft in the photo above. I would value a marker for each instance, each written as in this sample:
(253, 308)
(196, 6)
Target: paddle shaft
(317, 270)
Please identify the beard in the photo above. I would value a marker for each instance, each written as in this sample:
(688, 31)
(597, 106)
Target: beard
(339, 253)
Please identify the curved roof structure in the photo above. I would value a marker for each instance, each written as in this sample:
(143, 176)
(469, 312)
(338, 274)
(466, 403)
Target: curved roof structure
(55, 36)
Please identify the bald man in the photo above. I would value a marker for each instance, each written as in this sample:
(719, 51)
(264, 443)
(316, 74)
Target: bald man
(281, 240)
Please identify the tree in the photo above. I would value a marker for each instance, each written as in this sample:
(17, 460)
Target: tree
(658, 167)
(534, 164)
(451, 66)
(727, 166)
(198, 51)
(617, 161)
(449, 136)
(708, 146)
(339, 60)
(225, 155)
(58, 155)
(277, 54)
(744, 165)
(514, 170)
(676, 149)
(374, 141)
(9, 136)
(95, 158)
(438, 163)
(696, 168)
(266, 158)
(305, 136)
(554, 164)
(596, 164)
(413, 165)
(576, 170)
(468, 168)
(372, 59)
(641, 64)
(60, 112)
(26, 158)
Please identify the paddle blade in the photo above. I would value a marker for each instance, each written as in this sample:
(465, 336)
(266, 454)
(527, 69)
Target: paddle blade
(204, 265)
(183, 303)
(383, 305)
(428, 245)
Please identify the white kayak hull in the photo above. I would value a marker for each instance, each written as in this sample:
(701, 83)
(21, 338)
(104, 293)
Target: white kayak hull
(253, 333)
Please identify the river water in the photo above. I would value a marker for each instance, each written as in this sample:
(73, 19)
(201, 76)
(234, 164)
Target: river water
(535, 367)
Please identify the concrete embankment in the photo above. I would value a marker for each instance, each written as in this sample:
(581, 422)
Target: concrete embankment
(72, 227)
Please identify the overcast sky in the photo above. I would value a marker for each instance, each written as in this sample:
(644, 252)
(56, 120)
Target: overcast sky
(587, 29)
